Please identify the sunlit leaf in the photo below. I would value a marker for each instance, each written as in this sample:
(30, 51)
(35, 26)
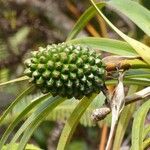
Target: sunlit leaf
(138, 126)
(134, 81)
(146, 131)
(83, 20)
(51, 104)
(139, 47)
(133, 10)
(38, 116)
(64, 110)
(28, 147)
(146, 143)
(16, 120)
(73, 121)
(107, 45)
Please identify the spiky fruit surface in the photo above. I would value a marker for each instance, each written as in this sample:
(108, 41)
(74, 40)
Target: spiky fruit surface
(66, 70)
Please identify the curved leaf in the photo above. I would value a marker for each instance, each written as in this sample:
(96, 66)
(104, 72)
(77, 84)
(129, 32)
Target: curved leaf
(73, 121)
(146, 131)
(28, 147)
(136, 12)
(54, 101)
(51, 102)
(64, 110)
(20, 117)
(125, 7)
(138, 126)
(107, 45)
(139, 47)
(136, 81)
(8, 110)
(83, 20)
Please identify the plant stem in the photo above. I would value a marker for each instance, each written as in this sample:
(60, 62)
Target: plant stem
(103, 137)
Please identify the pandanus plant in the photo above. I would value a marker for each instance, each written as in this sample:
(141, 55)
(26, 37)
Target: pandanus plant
(75, 69)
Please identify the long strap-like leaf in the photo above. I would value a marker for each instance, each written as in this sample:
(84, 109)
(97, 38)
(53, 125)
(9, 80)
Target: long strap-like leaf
(20, 117)
(136, 81)
(138, 126)
(83, 20)
(54, 101)
(139, 47)
(73, 121)
(136, 12)
(49, 104)
(8, 110)
(108, 45)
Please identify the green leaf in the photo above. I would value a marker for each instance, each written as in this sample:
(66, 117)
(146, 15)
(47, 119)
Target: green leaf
(124, 119)
(136, 12)
(139, 47)
(19, 98)
(107, 45)
(139, 16)
(4, 74)
(64, 110)
(54, 101)
(139, 76)
(3, 50)
(138, 126)
(19, 37)
(146, 131)
(73, 121)
(138, 73)
(136, 81)
(146, 143)
(78, 145)
(61, 112)
(15, 80)
(43, 108)
(20, 117)
(28, 147)
(83, 20)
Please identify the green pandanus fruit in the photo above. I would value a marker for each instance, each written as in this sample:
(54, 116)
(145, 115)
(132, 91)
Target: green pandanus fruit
(66, 70)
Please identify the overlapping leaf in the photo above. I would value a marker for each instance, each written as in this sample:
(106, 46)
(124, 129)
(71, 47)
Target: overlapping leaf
(139, 47)
(138, 128)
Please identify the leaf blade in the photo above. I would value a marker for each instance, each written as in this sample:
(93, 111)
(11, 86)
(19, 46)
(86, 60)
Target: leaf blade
(136, 12)
(138, 126)
(81, 23)
(73, 121)
(24, 93)
(29, 120)
(19, 118)
(107, 45)
(27, 134)
(139, 47)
